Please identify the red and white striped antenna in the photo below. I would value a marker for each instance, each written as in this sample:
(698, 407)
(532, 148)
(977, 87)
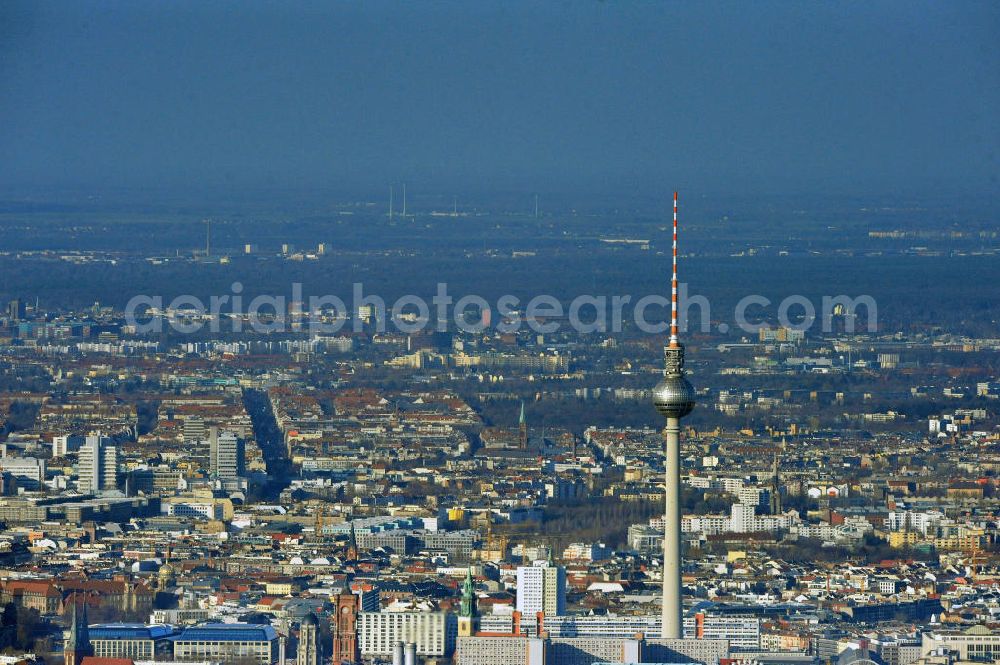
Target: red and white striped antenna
(674, 342)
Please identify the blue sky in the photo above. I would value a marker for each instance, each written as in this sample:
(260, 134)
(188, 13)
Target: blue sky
(612, 97)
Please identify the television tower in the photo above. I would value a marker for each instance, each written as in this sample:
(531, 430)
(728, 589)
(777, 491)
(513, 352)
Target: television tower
(673, 397)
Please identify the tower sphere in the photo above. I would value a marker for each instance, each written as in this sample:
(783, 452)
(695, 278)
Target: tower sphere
(673, 396)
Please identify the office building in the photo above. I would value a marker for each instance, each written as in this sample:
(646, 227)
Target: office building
(26, 472)
(977, 643)
(228, 642)
(226, 455)
(98, 465)
(586, 650)
(135, 641)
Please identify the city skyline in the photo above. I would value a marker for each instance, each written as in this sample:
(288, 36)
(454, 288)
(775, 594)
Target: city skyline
(365, 333)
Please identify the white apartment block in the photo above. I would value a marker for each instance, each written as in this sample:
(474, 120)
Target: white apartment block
(434, 633)
(541, 588)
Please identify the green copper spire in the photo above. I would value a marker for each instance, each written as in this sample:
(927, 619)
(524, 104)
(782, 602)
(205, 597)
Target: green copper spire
(468, 608)
(78, 644)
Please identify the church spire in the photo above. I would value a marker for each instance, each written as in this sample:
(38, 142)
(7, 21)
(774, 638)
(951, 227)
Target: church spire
(775, 490)
(78, 644)
(468, 608)
(468, 620)
(522, 429)
(352, 546)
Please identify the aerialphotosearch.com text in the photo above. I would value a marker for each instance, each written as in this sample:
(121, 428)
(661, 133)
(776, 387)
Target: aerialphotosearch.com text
(409, 314)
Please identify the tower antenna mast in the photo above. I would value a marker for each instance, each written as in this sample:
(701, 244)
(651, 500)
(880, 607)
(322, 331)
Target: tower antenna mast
(674, 341)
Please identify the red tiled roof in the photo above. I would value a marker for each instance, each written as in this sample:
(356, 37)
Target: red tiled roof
(94, 660)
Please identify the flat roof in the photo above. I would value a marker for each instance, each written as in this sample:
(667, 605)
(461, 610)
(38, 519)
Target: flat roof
(227, 632)
(129, 631)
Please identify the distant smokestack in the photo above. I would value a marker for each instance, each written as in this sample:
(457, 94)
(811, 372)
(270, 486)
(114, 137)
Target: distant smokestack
(410, 654)
(397, 653)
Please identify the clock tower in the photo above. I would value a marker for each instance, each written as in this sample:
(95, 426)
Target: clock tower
(345, 629)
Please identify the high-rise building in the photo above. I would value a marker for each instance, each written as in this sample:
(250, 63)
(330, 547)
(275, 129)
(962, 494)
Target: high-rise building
(309, 651)
(226, 455)
(98, 464)
(369, 598)
(65, 444)
(744, 518)
(541, 588)
(673, 397)
(194, 429)
(16, 310)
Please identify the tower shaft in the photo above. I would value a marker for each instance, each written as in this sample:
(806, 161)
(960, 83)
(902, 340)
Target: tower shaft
(672, 606)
